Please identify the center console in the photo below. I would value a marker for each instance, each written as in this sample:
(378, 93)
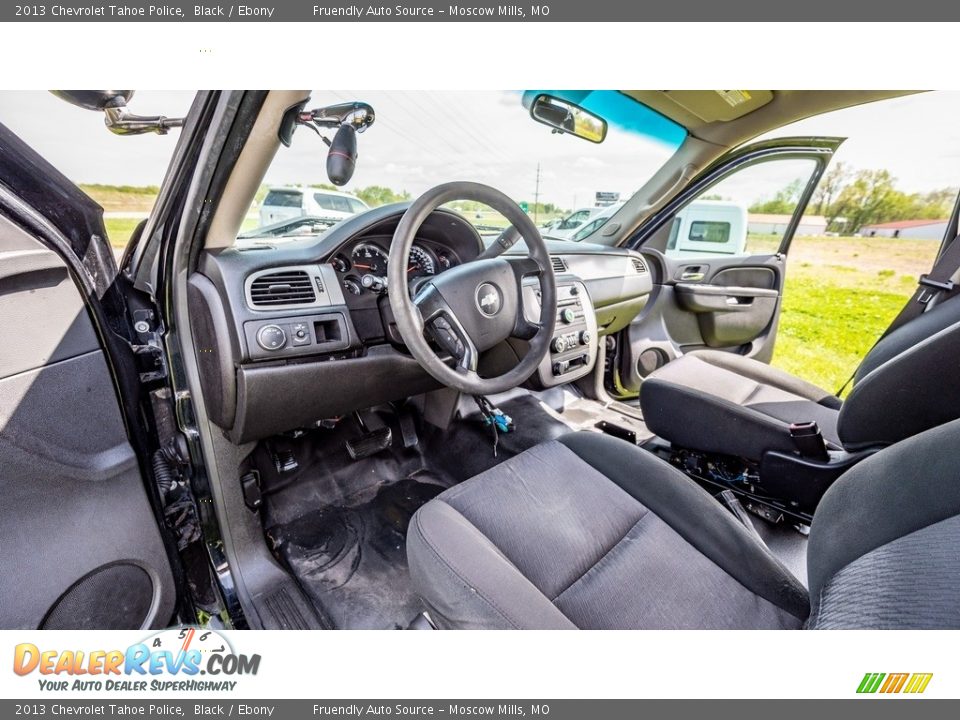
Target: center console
(573, 347)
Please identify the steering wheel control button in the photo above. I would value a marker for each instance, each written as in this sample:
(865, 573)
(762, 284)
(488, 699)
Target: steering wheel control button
(301, 333)
(446, 338)
(567, 315)
(271, 337)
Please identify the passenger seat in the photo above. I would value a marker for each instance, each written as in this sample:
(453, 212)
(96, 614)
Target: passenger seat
(720, 402)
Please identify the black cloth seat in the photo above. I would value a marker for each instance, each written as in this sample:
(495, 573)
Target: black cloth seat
(588, 531)
(720, 402)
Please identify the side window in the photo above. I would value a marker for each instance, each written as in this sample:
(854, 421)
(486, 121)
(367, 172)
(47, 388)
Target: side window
(280, 198)
(331, 202)
(745, 213)
(575, 220)
(710, 231)
(588, 229)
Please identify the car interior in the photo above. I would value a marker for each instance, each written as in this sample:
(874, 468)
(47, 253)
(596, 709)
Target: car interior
(529, 433)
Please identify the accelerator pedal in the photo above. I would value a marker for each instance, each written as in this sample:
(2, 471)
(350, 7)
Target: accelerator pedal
(408, 427)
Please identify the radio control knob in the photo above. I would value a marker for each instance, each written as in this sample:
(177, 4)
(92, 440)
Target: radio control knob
(567, 315)
(559, 344)
(271, 337)
(585, 337)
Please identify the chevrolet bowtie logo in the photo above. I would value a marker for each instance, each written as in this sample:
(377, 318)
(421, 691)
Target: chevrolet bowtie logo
(911, 683)
(488, 299)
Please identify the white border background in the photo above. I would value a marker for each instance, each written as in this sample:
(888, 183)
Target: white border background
(467, 56)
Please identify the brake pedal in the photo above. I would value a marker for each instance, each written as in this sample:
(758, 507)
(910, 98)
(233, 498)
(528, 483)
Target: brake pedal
(370, 443)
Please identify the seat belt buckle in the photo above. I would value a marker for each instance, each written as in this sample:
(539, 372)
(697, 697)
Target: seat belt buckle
(809, 440)
(937, 285)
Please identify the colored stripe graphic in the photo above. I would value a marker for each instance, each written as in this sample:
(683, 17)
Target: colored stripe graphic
(870, 682)
(893, 683)
(918, 682)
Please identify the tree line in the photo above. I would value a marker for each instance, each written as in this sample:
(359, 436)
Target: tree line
(849, 199)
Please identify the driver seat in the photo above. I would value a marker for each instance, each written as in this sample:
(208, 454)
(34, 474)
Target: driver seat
(589, 531)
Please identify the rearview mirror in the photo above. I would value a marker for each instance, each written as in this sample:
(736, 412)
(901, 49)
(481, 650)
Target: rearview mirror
(567, 117)
(113, 104)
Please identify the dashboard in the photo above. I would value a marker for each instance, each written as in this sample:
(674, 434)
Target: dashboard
(289, 333)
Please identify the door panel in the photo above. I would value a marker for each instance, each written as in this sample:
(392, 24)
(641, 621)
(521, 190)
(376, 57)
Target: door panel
(728, 315)
(734, 307)
(719, 253)
(79, 542)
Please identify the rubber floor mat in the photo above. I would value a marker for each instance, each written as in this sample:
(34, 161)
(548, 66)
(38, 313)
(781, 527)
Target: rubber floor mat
(352, 560)
(340, 524)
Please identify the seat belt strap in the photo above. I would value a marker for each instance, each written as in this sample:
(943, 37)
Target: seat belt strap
(930, 286)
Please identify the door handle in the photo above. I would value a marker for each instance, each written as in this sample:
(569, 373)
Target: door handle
(691, 276)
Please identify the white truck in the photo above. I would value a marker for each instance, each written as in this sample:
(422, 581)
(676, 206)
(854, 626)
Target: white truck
(708, 227)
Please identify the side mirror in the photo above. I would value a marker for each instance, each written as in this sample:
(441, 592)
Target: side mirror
(98, 100)
(113, 104)
(567, 117)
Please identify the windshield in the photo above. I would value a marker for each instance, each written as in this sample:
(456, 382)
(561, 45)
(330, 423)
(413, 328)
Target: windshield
(422, 139)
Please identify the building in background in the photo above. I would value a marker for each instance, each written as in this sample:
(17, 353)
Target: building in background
(907, 229)
(767, 224)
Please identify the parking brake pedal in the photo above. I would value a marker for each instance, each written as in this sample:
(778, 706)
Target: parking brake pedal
(370, 442)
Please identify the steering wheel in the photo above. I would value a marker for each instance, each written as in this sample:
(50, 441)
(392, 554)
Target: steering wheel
(475, 306)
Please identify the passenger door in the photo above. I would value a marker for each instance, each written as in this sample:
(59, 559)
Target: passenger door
(719, 252)
(80, 545)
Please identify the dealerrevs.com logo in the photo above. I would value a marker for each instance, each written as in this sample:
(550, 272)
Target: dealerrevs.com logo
(892, 683)
(170, 660)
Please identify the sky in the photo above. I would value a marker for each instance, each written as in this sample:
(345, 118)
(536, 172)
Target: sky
(423, 138)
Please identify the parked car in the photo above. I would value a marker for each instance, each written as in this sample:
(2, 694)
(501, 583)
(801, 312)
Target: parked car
(595, 222)
(286, 203)
(565, 227)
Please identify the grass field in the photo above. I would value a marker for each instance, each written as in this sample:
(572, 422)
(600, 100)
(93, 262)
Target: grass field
(119, 230)
(840, 294)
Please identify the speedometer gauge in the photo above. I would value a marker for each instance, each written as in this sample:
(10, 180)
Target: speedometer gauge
(369, 259)
(421, 263)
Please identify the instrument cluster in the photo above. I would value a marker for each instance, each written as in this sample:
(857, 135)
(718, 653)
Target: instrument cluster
(362, 267)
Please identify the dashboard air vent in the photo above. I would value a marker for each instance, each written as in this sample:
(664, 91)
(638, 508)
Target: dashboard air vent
(559, 265)
(288, 287)
(638, 265)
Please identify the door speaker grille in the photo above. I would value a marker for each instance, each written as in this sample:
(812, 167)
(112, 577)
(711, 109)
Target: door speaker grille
(112, 597)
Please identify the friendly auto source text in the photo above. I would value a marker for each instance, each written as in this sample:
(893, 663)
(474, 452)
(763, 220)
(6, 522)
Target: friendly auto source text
(479, 11)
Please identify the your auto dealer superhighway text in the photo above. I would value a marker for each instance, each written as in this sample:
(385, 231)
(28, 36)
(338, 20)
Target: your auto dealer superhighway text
(158, 11)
